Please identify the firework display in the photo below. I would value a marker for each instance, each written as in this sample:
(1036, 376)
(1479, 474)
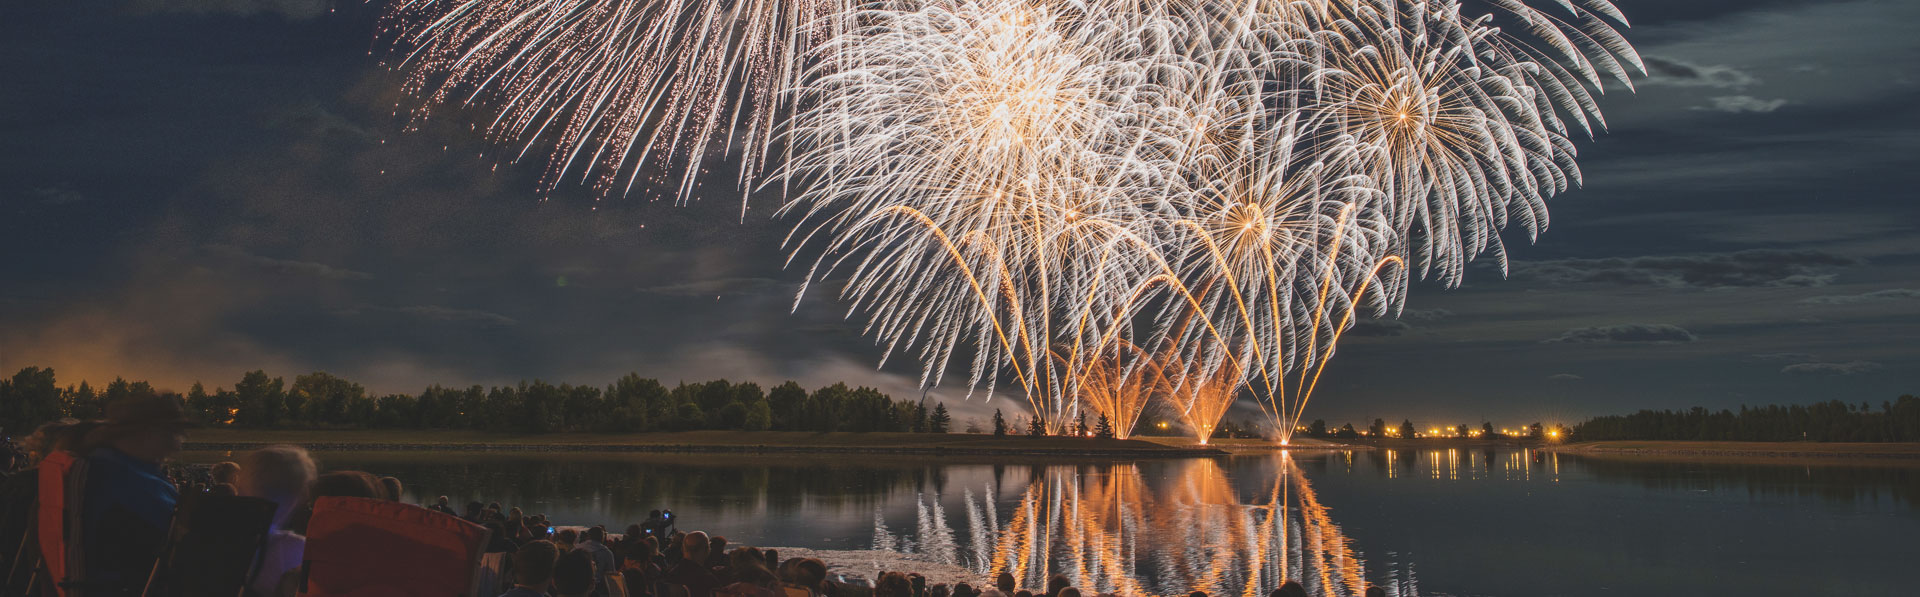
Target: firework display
(1095, 205)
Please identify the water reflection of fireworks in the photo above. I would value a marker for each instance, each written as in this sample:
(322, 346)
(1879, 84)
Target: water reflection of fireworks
(1106, 529)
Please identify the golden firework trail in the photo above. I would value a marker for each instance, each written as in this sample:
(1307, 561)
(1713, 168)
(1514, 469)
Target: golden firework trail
(616, 92)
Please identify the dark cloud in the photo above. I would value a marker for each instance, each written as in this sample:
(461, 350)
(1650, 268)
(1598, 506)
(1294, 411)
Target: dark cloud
(58, 195)
(1890, 294)
(722, 287)
(1379, 327)
(1785, 356)
(286, 267)
(437, 313)
(1659, 333)
(1425, 314)
(1666, 71)
(1744, 104)
(1847, 368)
(1750, 268)
(289, 9)
(1564, 377)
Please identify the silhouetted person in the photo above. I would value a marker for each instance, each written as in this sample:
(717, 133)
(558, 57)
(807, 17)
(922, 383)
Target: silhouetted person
(692, 571)
(357, 484)
(748, 570)
(392, 487)
(476, 511)
(1376, 591)
(1004, 582)
(893, 584)
(810, 573)
(533, 567)
(128, 504)
(1055, 583)
(280, 474)
(516, 525)
(593, 542)
(1291, 589)
(573, 575)
(224, 472)
(443, 506)
(717, 552)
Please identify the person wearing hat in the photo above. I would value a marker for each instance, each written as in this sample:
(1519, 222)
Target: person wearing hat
(128, 504)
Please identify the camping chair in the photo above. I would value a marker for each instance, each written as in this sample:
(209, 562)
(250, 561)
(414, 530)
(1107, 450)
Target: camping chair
(371, 548)
(616, 584)
(19, 493)
(63, 477)
(494, 570)
(217, 542)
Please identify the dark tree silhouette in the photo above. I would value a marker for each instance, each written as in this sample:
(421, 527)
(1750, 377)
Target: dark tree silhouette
(940, 420)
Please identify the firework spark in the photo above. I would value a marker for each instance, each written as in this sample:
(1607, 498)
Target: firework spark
(616, 91)
(1036, 188)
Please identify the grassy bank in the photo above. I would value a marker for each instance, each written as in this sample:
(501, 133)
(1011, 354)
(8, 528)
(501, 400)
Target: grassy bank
(688, 441)
(1751, 452)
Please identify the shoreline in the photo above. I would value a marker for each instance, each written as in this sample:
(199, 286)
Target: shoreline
(1762, 452)
(867, 564)
(718, 442)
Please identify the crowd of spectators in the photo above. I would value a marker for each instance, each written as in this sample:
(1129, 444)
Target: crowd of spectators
(131, 495)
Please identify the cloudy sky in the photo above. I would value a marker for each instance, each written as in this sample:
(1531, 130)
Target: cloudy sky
(190, 189)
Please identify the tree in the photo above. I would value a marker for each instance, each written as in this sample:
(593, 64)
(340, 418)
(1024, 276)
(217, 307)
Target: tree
(263, 400)
(1377, 429)
(1104, 429)
(759, 417)
(1406, 429)
(733, 416)
(1535, 431)
(940, 421)
(29, 399)
(1318, 428)
(973, 427)
(1486, 429)
(326, 399)
(1080, 427)
(788, 402)
(1348, 432)
(999, 423)
(199, 405)
(1035, 428)
(1461, 430)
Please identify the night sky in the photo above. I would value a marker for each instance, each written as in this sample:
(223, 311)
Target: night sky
(191, 189)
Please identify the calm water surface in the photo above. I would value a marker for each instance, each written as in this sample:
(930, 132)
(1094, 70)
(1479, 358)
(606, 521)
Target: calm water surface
(1431, 522)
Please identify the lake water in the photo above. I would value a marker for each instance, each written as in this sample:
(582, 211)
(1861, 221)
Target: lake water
(1430, 522)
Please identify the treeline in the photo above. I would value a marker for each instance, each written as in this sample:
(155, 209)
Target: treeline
(1835, 421)
(631, 404)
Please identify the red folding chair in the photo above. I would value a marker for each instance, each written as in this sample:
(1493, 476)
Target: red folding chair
(63, 478)
(358, 547)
